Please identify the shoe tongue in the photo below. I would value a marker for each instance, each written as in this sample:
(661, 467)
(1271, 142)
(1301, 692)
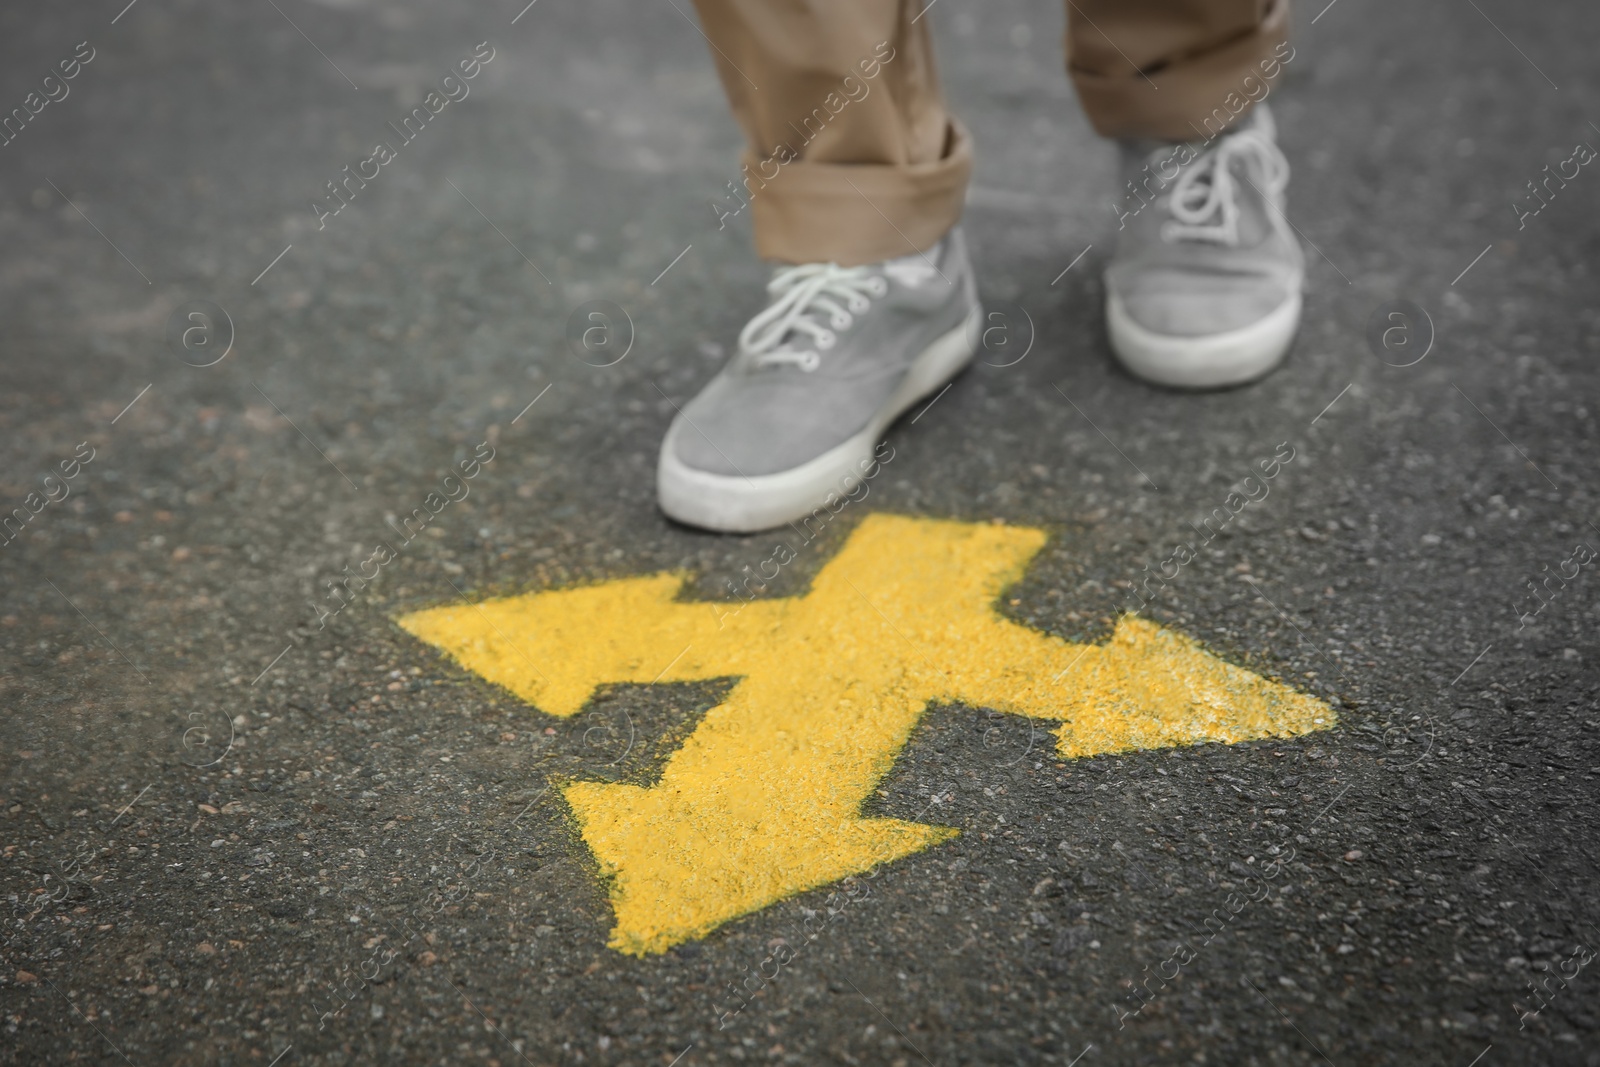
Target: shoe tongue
(913, 271)
(1137, 151)
(1260, 118)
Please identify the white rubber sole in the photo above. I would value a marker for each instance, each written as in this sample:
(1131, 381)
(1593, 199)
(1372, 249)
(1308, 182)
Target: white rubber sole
(1210, 362)
(735, 504)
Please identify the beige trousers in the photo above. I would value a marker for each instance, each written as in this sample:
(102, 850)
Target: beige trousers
(851, 154)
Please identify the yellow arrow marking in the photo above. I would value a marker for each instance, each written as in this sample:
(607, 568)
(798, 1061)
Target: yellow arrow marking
(763, 801)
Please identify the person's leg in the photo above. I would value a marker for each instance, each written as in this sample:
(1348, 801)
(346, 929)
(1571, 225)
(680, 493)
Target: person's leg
(1204, 287)
(855, 176)
(1172, 70)
(851, 156)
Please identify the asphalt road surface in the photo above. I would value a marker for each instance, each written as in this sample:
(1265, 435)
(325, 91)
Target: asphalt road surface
(249, 819)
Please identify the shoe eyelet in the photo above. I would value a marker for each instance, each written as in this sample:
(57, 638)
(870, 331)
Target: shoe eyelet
(841, 322)
(859, 304)
(825, 340)
(880, 287)
(811, 362)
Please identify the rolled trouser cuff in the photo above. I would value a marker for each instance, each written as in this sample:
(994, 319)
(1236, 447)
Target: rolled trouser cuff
(852, 214)
(1193, 98)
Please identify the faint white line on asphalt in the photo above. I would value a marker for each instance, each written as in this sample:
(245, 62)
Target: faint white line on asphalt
(1287, 619)
(936, 799)
(1268, 201)
(669, 266)
(1074, 263)
(1102, 433)
(1474, 262)
(901, 232)
(890, 1021)
(313, 44)
(702, 433)
(124, 11)
(1513, 44)
(531, 803)
(132, 402)
(1471, 665)
(263, 274)
(524, 11)
(1113, 44)
(1329, 808)
(681, 1055)
(532, 402)
(86, 1019)
(274, 663)
(1080, 1055)
(280, 1055)
(669, 666)
(924, 11)
(503, 637)
(1332, 402)
(486, 1020)
(302, 433)
(501, 232)
(97, 630)
(1324, 11)
(1290, 1021)
(99, 231)
(1480, 1056)
(932, 402)
(131, 803)
(1502, 433)
(713, 44)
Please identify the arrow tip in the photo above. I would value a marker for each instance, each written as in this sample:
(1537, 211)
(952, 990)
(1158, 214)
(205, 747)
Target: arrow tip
(708, 859)
(1154, 688)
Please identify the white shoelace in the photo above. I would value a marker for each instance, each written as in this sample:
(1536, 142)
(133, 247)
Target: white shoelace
(803, 301)
(1204, 201)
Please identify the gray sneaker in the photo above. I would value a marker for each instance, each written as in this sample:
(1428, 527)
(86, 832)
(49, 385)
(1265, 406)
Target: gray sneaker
(838, 355)
(1204, 288)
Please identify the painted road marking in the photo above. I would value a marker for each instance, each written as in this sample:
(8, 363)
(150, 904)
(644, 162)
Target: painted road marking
(763, 800)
